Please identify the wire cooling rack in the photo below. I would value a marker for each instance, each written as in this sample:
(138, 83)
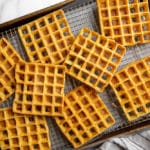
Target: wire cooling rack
(83, 13)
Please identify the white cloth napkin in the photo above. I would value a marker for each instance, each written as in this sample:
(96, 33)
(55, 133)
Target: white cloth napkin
(138, 141)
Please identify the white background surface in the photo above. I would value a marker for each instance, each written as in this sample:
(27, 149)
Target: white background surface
(10, 9)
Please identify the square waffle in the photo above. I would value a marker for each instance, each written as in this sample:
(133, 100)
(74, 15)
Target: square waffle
(20, 132)
(8, 59)
(125, 21)
(85, 116)
(39, 89)
(47, 39)
(93, 59)
(132, 88)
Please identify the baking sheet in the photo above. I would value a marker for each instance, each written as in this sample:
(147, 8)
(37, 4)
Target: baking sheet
(83, 13)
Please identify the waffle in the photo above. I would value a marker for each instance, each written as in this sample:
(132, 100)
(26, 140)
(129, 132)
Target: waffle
(85, 116)
(93, 59)
(132, 88)
(47, 39)
(39, 89)
(8, 60)
(20, 132)
(125, 21)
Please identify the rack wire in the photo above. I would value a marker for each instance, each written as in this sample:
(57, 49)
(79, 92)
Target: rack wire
(83, 13)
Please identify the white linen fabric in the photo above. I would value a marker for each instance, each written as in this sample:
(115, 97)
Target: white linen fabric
(138, 141)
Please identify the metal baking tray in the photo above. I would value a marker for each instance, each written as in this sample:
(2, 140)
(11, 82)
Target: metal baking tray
(83, 13)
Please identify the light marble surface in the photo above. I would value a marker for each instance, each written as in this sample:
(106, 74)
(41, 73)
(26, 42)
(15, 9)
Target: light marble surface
(10, 9)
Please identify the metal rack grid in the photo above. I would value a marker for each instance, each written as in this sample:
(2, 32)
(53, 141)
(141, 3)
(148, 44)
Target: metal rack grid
(84, 14)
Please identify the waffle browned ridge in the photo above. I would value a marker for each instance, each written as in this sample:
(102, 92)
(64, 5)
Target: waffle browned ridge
(23, 131)
(39, 89)
(93, 59)
(8, 59)
(85, 116)
(47, 39)
(132, 88)
(125, 21)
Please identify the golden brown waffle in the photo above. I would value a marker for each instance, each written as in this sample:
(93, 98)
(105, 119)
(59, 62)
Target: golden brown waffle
(132, 88)
(125, 21)
(85, 116)
(39, 89)
(47, 39)
(8, 60)
(20, 132)
(93, 59)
